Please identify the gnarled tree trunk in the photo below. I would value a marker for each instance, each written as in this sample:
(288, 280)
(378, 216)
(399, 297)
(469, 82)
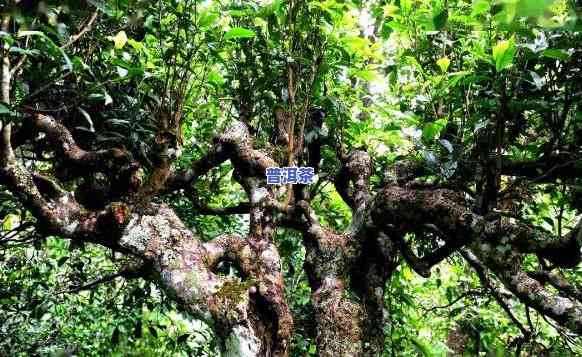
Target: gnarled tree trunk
(347, 271)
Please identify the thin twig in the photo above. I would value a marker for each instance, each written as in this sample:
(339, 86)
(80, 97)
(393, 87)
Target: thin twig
(87, 27)
(475, 292)
(127, 273)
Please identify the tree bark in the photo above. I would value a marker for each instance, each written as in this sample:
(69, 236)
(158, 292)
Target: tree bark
(347, 271)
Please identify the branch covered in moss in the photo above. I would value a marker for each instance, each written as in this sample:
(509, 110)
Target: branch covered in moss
(409, 210)
(106, 161)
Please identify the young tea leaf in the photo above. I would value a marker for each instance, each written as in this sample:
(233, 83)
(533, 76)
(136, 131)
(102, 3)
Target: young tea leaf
(238, 32)
(503, 54)
(443, 64)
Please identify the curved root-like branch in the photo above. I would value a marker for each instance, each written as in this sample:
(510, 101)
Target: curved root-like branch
(356, 169)
(558, 281)
(108, 161)
(499, 245)
(239, 311)
(252, 316)
(184, 179)
(507, 266)
(408, 210)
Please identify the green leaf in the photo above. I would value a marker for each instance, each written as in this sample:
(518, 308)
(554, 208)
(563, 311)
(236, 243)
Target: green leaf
(138, 46)
(413, 62)
(396, 26)
(556, 54)
(357, 45)
(120, 39)
(4, 109)
(24, 51)
(431, 130)
(270, 9)
(7, 302)
(366, 75)
(103, 6)
(503, 54)
(215, 78)
(531, 8)
(455, 77)
(240, 13)
(207, 19)
(238, 32)
(10, 222)
(53, 46)
(390, 10)
(101, 96)
(440, 19)
(422, 346)
(481, 7)
(443, 64)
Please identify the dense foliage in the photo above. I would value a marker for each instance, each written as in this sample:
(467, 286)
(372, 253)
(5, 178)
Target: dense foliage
(480, 97)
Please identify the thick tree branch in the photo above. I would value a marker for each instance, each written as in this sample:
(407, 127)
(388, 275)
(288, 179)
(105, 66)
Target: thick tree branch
(61, 215)
(107, 161)
(422, 265)
(547, 169)
(558, 281)
(260, 264)
(356, 169)
(507, 264)
(234, 144)
(409, 210)
(185, 178)
(48, 186)
(499, 245)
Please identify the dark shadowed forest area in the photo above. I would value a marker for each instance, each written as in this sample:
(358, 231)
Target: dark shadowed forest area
(156, 197)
